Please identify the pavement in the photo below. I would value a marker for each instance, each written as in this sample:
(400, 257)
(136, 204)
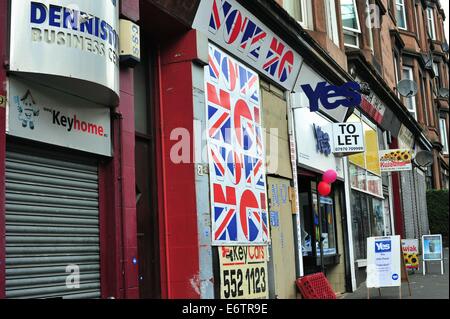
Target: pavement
(431, 286)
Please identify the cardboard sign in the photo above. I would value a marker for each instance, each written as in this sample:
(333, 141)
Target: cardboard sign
(383, 262)
(348, 138)
(395, 160)
(432, 247)
(243, 272)
(410, 249)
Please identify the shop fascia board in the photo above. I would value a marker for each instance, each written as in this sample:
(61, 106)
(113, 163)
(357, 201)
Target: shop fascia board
(276, 18)
(379, 86)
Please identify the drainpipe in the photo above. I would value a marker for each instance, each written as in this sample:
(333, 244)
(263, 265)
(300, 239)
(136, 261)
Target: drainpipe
(163, 171)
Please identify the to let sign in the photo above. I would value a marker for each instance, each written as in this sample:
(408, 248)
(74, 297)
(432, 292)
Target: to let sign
(348, 138)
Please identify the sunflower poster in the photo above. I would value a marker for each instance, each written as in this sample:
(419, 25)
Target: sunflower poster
(395, 160)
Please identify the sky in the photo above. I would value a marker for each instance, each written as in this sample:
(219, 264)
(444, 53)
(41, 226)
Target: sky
(445, 5)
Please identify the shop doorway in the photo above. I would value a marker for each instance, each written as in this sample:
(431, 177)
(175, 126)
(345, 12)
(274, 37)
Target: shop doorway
(318, 227)
(146, 190)
(147, 224)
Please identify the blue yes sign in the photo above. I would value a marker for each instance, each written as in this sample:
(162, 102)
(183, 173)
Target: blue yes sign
(383, 246)
(346, 95)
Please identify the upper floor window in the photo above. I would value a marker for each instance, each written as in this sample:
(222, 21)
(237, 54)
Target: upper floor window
(298, 9)
(410, 102)
(430, 23)
(396, 70)
(416, 17)
(369, 25)
(437, 75)
(350, 23)
(424, 98)
(400, 14)
(444, 140)
(332, 28)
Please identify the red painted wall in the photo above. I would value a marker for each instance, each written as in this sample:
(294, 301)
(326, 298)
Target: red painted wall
(176, 182)
(3, 59)
(128, 184)
(117, 192)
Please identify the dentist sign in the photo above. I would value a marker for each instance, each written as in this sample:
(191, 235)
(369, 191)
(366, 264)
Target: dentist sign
(68, 43)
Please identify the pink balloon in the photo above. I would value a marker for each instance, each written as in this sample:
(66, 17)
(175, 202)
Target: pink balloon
(329, 176)
(324, 189)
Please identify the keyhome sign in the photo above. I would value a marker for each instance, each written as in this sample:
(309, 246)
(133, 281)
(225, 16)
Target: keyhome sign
(38, 113)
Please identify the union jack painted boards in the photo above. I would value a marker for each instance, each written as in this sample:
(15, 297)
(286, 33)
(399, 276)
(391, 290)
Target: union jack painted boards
(236, 152)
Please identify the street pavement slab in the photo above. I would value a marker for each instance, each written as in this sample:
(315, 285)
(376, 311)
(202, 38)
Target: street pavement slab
(431, 286)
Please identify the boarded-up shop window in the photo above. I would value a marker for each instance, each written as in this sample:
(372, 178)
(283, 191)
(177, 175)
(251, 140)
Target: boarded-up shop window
(275, 123)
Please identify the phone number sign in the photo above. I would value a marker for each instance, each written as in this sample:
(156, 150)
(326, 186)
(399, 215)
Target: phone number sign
(243, 272)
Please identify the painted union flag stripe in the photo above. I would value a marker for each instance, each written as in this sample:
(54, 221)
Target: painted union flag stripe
(217, 162)
(224, 223)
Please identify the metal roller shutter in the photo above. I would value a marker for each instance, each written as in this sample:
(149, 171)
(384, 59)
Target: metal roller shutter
(52, 221)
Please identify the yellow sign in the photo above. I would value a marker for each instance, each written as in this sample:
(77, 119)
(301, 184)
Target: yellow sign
(372, 161)
(369, 159)
(243, 272)
(395, 160)
(411, 260)
(410, 248)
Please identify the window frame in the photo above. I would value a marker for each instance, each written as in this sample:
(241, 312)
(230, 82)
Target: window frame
(444, 135)
(432, 27)
(331, 19)
(396, 70)
(416, 14)
(370, 27)
(403, 5)
(304, 9)
(353, 34)
(437, 76)
(423, 98)
(412, 98)
(355, 8)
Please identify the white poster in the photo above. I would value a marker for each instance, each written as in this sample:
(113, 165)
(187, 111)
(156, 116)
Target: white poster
(237, 168)
(383, 262)
(39, 113)
(235, 29)
(432, 247)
